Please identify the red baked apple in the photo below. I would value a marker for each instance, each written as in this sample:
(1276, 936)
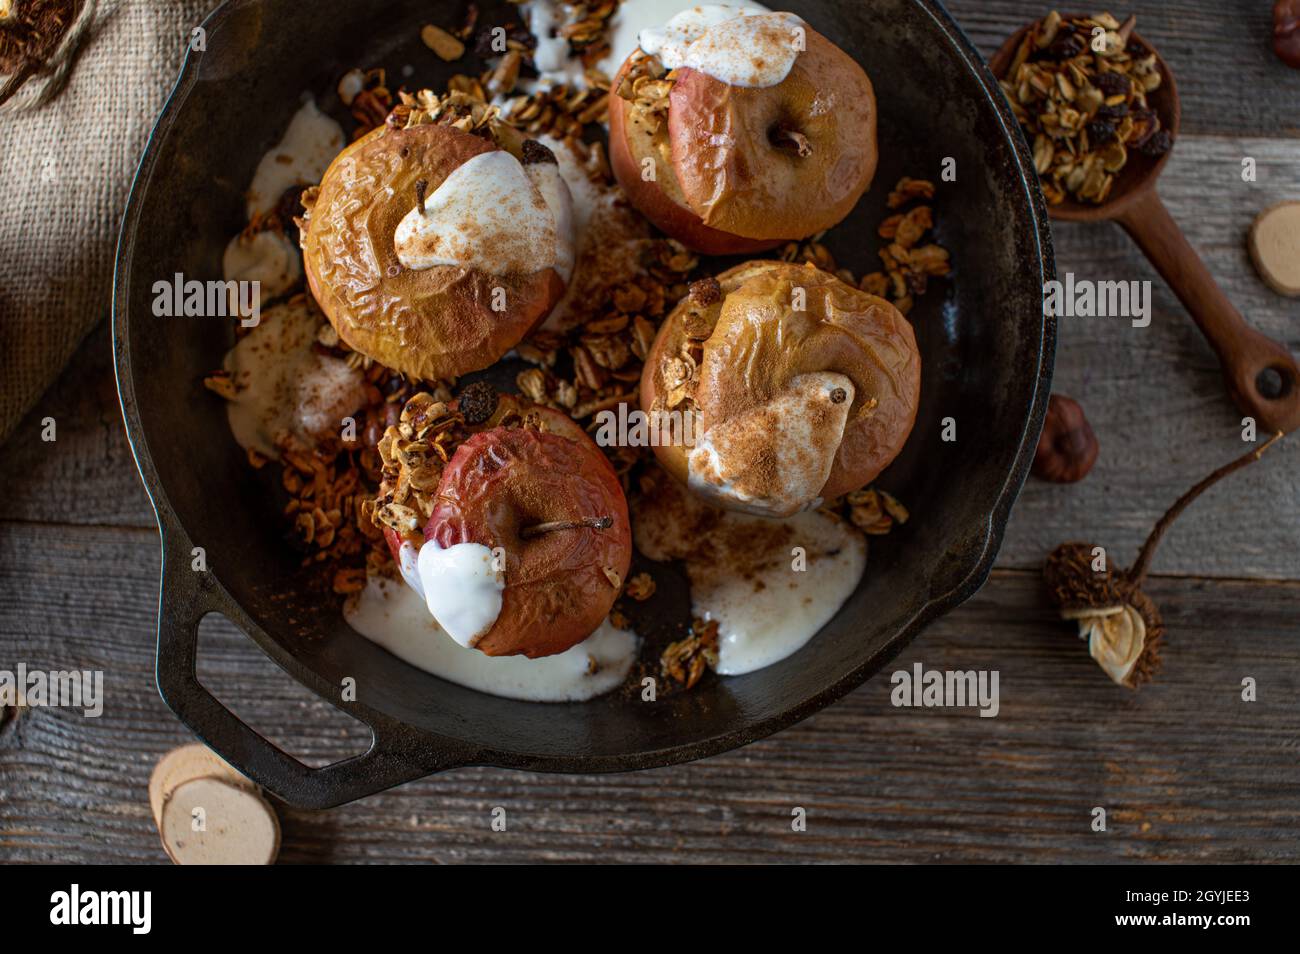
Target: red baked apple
(556, 510)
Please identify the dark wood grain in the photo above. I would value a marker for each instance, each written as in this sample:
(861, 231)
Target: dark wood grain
(1184, 768)
(86, 475)
(1155, 395)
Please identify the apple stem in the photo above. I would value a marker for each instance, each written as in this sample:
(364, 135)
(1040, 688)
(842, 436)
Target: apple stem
(421, 187)
(783, 136)
(594, 523)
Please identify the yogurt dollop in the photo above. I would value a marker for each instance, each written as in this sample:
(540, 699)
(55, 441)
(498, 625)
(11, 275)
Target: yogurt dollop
(393, 616)
(267, 258)
(769, 584)
(773, 459)
(461, 586)
(286, 395)
(301, 157)
(731, 44)
(494, 214)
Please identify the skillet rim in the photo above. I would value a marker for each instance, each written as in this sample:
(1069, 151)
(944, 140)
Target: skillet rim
(427, 752)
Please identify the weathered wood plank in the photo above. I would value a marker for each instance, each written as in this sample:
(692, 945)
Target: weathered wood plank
(1229, 81)
(1185, 769)
(1155, 397)
(86, 475)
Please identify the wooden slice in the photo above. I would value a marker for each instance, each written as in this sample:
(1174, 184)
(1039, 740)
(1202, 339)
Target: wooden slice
(210, 821)
(185, 764)
(1275, 247)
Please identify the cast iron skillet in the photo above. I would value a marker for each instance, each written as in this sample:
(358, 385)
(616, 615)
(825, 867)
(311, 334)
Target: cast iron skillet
(987, 357)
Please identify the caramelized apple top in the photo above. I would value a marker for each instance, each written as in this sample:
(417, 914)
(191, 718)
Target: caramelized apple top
(784, 161)
(804, 388)
(432, 322)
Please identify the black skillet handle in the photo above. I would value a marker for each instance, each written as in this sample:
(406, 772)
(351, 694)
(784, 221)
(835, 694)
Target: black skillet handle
(397, 754)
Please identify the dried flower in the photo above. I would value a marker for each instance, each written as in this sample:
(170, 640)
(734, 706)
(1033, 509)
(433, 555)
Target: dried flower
(1123, 626)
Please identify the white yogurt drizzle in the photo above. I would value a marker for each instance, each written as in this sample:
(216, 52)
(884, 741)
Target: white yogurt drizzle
(731, 44)
(301, 157)
(761, 625)
(266, 257)
(393, 616)
(800, 429)
(287, 396)
(553, 58)
(768, 599)
(633, 16)
(460, 585)
(494, 214)
(554, 188)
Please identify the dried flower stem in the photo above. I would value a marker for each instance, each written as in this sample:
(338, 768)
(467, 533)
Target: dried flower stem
(1139, 572)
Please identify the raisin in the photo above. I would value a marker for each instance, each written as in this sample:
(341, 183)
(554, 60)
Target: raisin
(705, 292)
(1112, 114)
(1100, 132)
(290, 204)
(1113, 84)
(477, 402)
(535, 152)
(1065, 48)
(1157, 145)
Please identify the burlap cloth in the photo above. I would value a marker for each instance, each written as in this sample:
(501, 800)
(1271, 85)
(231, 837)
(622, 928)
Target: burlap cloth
(65, 172)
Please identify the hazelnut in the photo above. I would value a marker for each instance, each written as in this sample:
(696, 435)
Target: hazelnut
(1067, 448)
(1286, 32)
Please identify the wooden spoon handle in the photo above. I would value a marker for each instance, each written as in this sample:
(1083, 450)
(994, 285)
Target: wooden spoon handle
(1261, 374)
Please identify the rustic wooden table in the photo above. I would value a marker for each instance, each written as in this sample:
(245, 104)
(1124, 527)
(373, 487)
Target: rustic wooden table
(1185, 768)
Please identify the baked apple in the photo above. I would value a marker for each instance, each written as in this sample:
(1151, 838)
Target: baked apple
(734, 131)
(434, 250)
(796, 387)
(528, 539)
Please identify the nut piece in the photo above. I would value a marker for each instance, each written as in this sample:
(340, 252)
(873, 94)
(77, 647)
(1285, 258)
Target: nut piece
(1275, 247)
(1286, 32)
(442, 42)
(1067, 448)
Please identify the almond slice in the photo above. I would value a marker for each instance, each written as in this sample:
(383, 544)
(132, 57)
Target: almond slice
(209, 821)
(441, 42)
(1275, 247)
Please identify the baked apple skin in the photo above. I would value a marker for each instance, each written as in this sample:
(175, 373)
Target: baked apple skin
(509, 407)
(758, 343)
(431, 324)
(734, 181)
(629, 146)
(557, 588)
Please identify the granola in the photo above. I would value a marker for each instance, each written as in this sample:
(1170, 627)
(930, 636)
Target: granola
(908, 265)
(1079, 89)
(686, 660)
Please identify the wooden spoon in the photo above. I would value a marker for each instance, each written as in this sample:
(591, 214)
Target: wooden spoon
(1262, 376)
